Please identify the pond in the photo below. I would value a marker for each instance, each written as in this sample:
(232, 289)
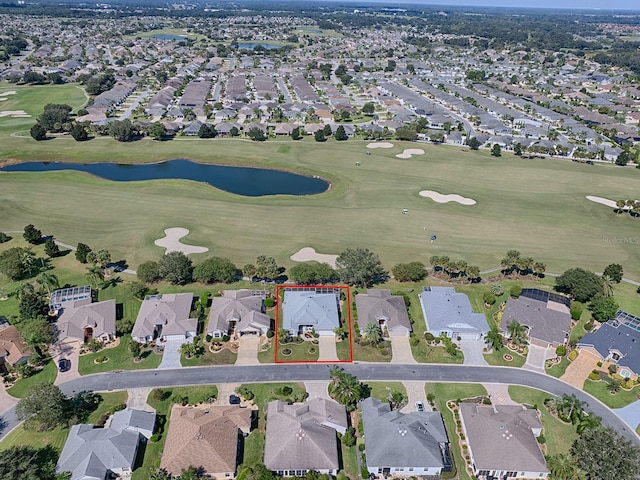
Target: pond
(252, 45)
(246, 181)
(168, 36)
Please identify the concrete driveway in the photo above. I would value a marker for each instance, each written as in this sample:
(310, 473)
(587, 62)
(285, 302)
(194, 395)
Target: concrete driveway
(536, 358)
(137, 399)
(171, 354)
(630, 414)
(327, 346)
(318, 389)
(7, 402)
(472, 351)
(224, 391)
(499, 394)
(401, 350)
(578, 370)
(415, 393)
(70, 351)
(248, 350)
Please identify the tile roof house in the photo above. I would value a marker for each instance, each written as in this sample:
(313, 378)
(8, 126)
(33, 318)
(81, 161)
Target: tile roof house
(382, 308)
(302, 437)
(95, 453)
(618, 340)
(13, 350)
(409, 444)
(446, 311)
(207, 438)
(502, 441)
(546, 314)
(240, 312)
(306, 310)
(84, 321)
(165, 316)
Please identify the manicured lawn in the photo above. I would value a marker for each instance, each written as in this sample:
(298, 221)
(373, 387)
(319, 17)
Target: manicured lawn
(343, 350)
(578, 331)
(621, 399)
(362, 202)
(267, 356)
(381, 390)
(453, 391)
(559, 435)
(300, 352)
(223, 357)
(57, 436)
(559, 369)
(349, 461)
(120, 358)
(23, 386)
(436, 354)
(497, 358)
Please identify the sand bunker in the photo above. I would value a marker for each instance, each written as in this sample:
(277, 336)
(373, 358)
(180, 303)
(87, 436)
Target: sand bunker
(10, 92)
(409, 152)
(14, 113)
(441, 198)
(602, 201)
(171, 241)
(380, 145)
(308, 254)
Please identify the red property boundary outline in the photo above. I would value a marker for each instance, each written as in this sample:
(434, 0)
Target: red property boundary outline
(348, 301)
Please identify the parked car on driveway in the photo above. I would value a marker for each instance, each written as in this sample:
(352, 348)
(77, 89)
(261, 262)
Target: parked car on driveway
(64, 364)
(419, 407)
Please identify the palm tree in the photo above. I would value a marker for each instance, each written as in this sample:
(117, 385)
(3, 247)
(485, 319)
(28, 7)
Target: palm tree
(95, 274)
(509, 261)
(473, 272)
(494, 339)
(373, 332)
(104, 258)
(539, 268)
(344, 388)
(588, 421)
(563, 467)
(497, 289)
(571, 408)
(188, 349)
(517, 333)
(23, 288)
(28, 259)
(613, 386)
(48, 280)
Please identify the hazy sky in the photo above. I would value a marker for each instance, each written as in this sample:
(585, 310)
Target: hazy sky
(578, 4)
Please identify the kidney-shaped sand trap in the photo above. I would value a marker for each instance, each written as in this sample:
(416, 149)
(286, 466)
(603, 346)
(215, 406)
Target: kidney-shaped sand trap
(171, 241)
(380, 145)
(308, 254)
(14, 113)
(409, 152)
(441, 198)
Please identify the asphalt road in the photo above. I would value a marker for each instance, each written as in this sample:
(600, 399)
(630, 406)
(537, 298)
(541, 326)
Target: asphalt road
(365, 372)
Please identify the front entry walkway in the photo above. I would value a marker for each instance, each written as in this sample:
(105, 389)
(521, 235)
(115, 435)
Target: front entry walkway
(327, 346)
(401, 350)
(248, 350)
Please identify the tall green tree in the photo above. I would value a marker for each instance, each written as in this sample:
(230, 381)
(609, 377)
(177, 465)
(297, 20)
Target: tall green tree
(51, 248)
(148, 272)
(344, 388)
(215, 269)
(360, 266)
(29, 463)
(43, 407)
(32, 234)
(38, 132)
(175, 267)
(17, 263)
(409, 272)
(582, 284)
(603, 309)
(496, 151)
(614, 271)
(82, 251)
(605, 455)
(310, 273)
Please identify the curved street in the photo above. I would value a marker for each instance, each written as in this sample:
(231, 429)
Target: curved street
(123, 380)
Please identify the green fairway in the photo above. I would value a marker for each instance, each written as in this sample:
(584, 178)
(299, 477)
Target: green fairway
(541, 210)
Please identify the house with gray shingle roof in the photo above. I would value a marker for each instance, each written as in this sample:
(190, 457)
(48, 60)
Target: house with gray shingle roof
(406, 444)
(238, 311)
(305, 310)
(302, 437)
(95, 453)
(448, 312)
(618, 340)
(382, 308)
(85, 321)
(502, 441)
(546, 314)
(164, 316)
